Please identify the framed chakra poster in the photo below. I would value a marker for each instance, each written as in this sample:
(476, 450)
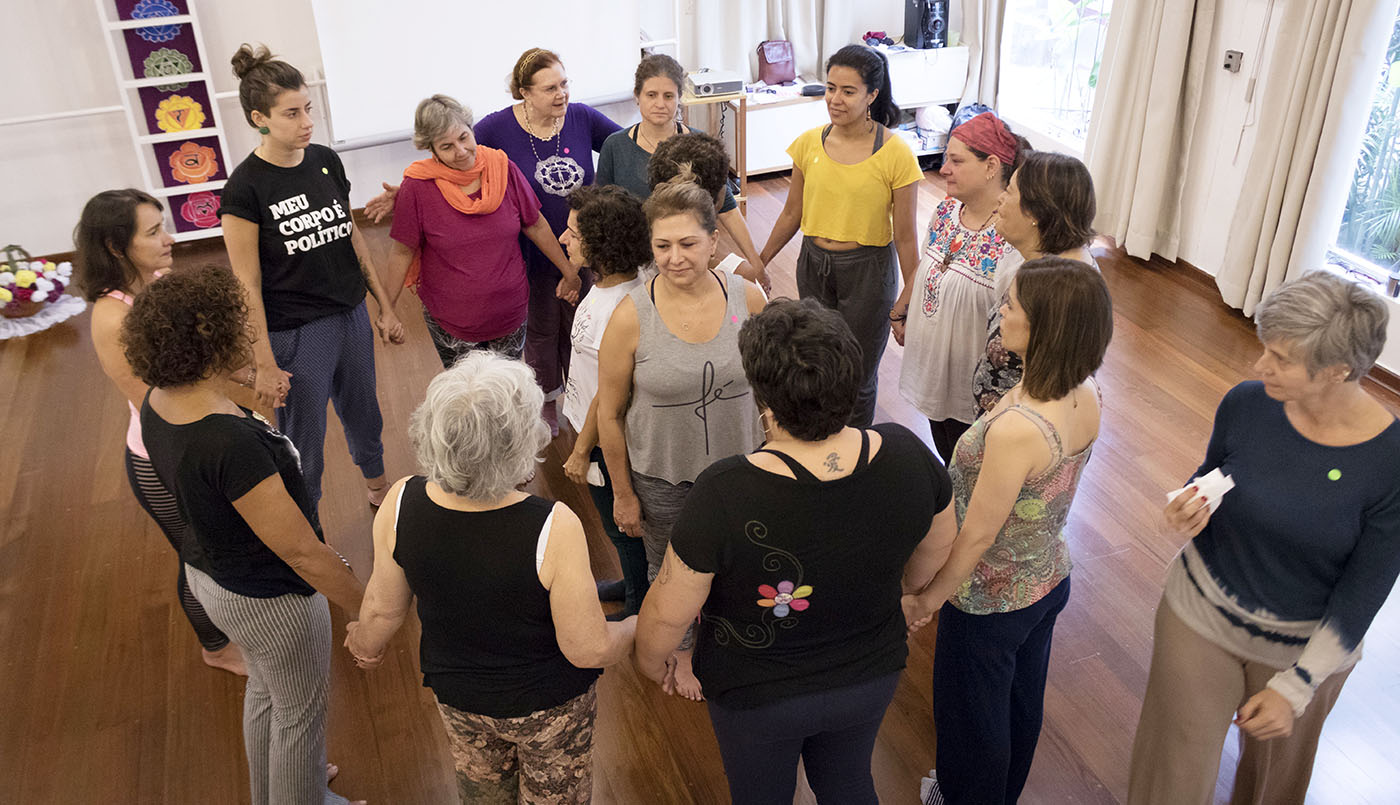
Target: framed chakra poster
(195, 211)
(194, 161)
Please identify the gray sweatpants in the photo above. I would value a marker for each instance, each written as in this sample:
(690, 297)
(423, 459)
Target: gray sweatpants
(859, 284)
(286, 643)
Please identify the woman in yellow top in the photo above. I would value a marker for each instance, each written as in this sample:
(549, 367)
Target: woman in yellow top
(854, 193)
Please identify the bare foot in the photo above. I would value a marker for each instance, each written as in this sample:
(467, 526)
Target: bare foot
(332, 771)
(376, 489)
(686, 683)
(229, 658)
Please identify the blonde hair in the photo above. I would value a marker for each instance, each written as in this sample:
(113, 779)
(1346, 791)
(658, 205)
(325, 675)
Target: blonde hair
(679, 195)
(436, 116)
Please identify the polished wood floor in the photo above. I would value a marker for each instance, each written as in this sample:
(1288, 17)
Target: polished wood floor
(103, 696)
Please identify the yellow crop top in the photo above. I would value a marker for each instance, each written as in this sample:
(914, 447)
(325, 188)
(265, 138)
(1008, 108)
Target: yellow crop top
(851, 202)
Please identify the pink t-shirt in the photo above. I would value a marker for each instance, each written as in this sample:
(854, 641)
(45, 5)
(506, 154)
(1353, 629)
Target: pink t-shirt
(473, 275)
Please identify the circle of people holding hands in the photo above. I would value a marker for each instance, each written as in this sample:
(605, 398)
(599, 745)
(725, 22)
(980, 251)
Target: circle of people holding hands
(776, 547)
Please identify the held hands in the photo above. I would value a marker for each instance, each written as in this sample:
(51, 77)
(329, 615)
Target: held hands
(377, 208)
(365, 662)
(568, 289)
(1266, 715)
(627, 513)
(576, 467)
(389, 327)
(272, 386)
(917, 615)
(1188, 513)
(899, 314)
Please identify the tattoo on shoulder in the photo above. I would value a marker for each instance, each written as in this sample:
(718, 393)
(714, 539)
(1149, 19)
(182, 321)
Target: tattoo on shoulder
(833, 462)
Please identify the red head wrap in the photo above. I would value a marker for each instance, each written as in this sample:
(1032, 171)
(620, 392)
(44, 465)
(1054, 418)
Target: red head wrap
(988, 134)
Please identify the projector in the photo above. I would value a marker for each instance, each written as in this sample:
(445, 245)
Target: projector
(713, 82)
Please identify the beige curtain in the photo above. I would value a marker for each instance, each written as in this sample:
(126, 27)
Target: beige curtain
(1312, 118)
(725, 34)
(981, 33)
(1145, 108)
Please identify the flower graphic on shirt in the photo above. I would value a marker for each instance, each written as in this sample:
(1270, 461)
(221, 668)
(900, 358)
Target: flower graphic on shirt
(785, 597)
(179, 113)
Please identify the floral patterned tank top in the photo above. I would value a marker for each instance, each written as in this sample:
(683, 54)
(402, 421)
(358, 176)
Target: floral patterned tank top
(1030, 556)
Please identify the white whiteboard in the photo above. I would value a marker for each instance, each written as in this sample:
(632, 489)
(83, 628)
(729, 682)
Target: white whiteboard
(381, 57)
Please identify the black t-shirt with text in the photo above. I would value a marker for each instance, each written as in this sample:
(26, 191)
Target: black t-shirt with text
(210, 463)
(309, 268)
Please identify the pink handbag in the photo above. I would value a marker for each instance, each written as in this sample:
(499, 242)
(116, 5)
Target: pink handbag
(775, 63)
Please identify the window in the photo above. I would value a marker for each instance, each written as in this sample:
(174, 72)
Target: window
(1368, 240)
(1050, 51)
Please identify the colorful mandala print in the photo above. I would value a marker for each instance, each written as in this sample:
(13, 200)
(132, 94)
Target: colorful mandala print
(201, 209)
(193, 163)
(150, 9)
(179, 113)
(168, 61)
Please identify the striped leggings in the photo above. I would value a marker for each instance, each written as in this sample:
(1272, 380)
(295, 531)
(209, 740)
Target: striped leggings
(160, 504)
(286, 642)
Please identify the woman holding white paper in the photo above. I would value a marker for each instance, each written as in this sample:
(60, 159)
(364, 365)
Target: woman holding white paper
(1266, 605)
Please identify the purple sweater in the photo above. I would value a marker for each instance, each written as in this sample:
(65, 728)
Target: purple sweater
(554, 167)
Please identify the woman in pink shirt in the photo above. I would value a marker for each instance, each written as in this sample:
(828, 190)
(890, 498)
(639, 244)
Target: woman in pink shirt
(457, 221)
(122, 246)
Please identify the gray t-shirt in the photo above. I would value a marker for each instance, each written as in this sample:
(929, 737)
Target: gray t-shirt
(691, 404)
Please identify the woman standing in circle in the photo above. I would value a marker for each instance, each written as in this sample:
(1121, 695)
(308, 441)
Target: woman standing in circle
(122, 247)
(455, 236)
(257, 560)
(672, 397)
(553, 142)
(1047, 209)
(607, 231)
(291, 241)
(941, 317)
(1014, 472)
(626, 154)
(854, 192)
(1266, 605)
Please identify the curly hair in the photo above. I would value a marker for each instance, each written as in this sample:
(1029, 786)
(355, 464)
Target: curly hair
(804, 365)
(1057, 193)
(613, 228)
(103, 233)
(188, 326)
(702, 154)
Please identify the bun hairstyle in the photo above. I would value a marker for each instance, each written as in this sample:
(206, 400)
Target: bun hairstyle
(261, 78)
(874, 70)
(656, 65)
(530, 62)
(104, 231)
(681, 194)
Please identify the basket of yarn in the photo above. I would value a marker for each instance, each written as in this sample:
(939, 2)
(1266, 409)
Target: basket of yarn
(27, 284)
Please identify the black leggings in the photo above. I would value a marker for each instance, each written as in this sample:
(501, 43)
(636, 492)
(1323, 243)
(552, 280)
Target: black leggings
(160, 503)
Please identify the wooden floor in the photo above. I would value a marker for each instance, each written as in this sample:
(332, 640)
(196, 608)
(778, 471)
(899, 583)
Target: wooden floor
(103, 696)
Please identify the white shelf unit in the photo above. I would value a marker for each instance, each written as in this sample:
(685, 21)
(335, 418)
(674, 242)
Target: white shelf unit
(129, 87)
(919, 78)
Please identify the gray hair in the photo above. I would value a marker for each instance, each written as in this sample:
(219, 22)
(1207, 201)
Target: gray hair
(435, 116)
(478, 432)
(1327, 320)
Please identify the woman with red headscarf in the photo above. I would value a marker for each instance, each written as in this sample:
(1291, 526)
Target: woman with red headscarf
(941, 316)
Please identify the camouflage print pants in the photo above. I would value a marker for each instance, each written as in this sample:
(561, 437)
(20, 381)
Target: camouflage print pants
(545, 757)
(449, 347)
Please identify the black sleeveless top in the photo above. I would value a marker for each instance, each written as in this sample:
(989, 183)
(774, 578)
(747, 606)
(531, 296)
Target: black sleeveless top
(488, 644)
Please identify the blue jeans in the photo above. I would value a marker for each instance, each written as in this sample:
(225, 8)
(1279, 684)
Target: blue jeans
(631, 551)
(989, 697)
(833, 731)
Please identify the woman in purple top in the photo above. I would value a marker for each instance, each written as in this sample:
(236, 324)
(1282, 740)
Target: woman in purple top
(459, 214)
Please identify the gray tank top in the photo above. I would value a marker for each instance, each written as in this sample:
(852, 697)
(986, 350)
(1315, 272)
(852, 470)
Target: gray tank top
(691, 404)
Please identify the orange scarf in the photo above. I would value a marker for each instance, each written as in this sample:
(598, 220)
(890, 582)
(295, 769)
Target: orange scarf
(492, 168)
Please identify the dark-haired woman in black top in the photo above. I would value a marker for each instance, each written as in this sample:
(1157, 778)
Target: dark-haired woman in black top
(797, 571)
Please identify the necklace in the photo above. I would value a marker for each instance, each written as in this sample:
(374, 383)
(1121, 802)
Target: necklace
(952, 253)
(556, 175)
